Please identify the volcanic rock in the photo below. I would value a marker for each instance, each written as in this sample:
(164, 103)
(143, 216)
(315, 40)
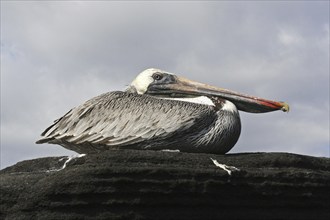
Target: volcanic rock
(133, 184)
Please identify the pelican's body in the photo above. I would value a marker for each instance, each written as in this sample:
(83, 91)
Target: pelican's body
(147, 116)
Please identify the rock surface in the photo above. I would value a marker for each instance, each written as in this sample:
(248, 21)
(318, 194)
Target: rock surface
(130, 184)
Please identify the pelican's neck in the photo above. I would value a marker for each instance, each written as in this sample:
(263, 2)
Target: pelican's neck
(131, 89)
(221, 104)
(203, 100)
(229, 106)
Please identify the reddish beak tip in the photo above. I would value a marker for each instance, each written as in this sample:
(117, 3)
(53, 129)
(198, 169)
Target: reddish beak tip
(285, 107)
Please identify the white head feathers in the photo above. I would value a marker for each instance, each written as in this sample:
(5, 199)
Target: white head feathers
(144, 79)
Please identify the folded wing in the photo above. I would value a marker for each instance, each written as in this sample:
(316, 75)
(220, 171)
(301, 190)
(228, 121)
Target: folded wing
(116, 119)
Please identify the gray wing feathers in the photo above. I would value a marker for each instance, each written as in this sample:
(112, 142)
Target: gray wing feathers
(119, 118)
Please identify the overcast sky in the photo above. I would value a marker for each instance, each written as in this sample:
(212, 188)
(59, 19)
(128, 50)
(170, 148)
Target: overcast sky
(56, 55)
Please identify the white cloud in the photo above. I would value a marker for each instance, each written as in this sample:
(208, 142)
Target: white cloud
(287, 38)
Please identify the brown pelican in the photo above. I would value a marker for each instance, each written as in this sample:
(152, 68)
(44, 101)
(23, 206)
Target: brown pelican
(159, 110)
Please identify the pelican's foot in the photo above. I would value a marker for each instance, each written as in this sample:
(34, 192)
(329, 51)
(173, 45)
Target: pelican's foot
(68, 159)
(228, 169)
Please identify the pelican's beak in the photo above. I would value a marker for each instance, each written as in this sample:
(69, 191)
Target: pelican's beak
(247, 103)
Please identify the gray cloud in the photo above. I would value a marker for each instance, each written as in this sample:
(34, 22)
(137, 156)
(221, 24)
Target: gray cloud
(56, 55)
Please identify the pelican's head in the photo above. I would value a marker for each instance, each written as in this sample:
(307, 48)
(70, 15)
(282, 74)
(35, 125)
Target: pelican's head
(146, 78)
(160, 83)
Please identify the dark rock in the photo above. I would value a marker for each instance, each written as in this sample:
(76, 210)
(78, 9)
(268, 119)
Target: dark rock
(129, 184)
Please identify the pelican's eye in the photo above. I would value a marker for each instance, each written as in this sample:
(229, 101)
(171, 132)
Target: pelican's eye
(157, 76)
